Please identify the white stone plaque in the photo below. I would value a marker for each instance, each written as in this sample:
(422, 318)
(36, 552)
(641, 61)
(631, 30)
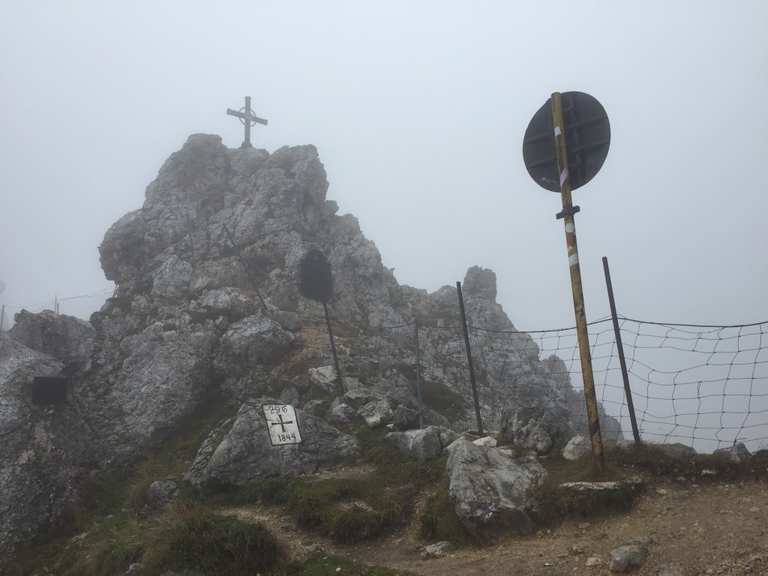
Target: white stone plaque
(282, 424)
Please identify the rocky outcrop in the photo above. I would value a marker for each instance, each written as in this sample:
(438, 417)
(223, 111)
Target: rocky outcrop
(42, 447)
(240, 451)
(490, 487)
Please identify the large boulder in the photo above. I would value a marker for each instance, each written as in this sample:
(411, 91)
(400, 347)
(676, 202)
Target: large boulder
(240, 450)
(66, 338)
(490, 487)
(425, 444)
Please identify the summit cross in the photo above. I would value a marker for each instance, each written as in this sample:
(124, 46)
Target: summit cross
(248, 119)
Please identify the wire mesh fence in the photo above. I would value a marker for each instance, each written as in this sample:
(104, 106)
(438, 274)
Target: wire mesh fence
(701, 385)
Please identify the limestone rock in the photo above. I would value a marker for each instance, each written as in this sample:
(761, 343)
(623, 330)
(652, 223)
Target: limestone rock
(576, 448)
(423, 444)
(66, 338)
(628, 557)
(245, 453)
(489, 441)
(436, 550)
(324, 377)
(490, 487)
(376, 413)
(587, 498)
(341, 413)
(160, 493)
(737, 453)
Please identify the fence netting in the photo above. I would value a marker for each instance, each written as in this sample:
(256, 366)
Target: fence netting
(704, 386)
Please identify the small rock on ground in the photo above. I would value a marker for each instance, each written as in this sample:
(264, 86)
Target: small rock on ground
(436, 550)
(628, 557)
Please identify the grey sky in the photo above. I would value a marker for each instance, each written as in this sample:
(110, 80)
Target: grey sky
(418, 111)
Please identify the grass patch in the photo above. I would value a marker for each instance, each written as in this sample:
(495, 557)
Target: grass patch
(198, 539)
(656, 461)
(349, 510)
(439, 522)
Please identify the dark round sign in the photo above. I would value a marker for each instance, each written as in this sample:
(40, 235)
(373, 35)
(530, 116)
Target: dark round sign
(587, 137)
(315, 279)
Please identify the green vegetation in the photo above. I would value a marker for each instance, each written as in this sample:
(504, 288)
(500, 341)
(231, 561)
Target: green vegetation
(347, 509)
(658, 462)
(439, 522)
(197, 539)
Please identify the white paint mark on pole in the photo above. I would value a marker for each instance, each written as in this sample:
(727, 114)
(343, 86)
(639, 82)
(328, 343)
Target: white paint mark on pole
(570, 228)
(282, 424)
(558, 131)
(573, 259)
(563, 176)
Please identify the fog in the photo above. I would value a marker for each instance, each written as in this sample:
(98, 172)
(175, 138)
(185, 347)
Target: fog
(418, 111)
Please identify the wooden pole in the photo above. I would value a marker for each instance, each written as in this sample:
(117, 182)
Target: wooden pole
(620, 348)
(593, 417)
(2, 318)
(469, 359)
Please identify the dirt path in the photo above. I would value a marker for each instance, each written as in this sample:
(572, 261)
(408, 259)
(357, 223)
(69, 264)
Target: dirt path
(718, 529)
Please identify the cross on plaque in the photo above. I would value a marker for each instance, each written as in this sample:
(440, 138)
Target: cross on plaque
(248, 119)
(282, 422)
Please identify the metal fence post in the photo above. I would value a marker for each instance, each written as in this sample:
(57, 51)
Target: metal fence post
(469, 358)
(620, 348)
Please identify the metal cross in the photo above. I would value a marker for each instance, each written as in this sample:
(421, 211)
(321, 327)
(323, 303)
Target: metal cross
(282, 423)
(248, 119)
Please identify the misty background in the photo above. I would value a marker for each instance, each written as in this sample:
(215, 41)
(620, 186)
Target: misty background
(418, 111)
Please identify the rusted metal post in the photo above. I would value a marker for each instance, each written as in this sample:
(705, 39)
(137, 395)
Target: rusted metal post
(567, 214)
(418, 373)
(469, 358)
(336, 365)
(620, 348)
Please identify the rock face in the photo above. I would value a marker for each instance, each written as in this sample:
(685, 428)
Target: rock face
(492, 488)
(42, 447)
(240, 451)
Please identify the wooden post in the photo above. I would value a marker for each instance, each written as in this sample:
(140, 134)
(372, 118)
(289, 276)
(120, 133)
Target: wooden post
(620, 348)
(578, 295)
(469, 359)
(2, 318)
